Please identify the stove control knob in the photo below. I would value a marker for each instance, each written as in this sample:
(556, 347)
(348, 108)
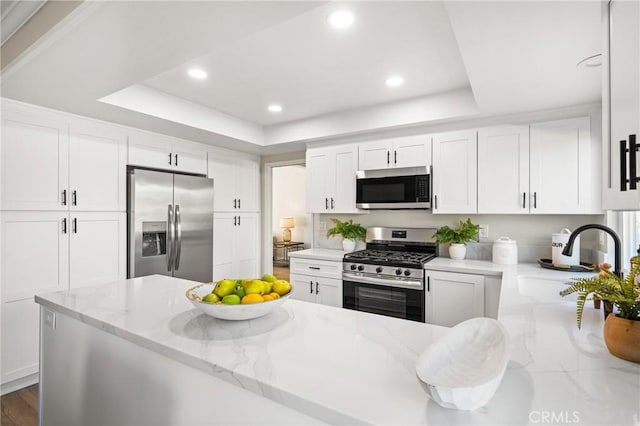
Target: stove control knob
(379, 269)
(398, 271)
(353, 267)
(360, 268)
(407, 272)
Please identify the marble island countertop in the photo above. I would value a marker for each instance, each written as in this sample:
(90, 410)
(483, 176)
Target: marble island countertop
(347, 367)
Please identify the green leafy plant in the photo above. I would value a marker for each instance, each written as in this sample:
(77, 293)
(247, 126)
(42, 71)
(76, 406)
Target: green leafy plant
(464, 232)
(624, 293)
(347, 230)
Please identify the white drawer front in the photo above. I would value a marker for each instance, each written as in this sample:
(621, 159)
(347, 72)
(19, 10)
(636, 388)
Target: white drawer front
(317, 268)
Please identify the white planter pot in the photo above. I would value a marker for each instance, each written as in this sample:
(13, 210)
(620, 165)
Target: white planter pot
(348, 244)
(457, 251)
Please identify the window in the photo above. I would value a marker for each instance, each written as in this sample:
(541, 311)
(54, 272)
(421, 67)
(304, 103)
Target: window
(629, 231)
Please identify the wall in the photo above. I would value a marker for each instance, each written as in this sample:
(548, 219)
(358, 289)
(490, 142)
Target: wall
(532, 232)
(288, 199)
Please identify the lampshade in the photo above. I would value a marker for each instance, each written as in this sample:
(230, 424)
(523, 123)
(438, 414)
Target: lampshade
(286, 222)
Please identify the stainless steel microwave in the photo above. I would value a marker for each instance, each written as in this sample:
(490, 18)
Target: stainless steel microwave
(393, 189)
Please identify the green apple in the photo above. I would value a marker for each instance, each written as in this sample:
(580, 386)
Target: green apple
(224, 287)
(231, 299)
(269, 278)
(211, 298)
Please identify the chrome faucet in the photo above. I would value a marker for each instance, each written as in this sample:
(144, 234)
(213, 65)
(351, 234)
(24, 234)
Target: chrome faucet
(568, 248)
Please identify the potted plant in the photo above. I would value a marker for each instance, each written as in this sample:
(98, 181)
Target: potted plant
(349, 231)
(622, 328)
(457, 237)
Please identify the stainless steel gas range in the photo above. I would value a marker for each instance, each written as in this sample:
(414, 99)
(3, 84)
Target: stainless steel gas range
(387, 277)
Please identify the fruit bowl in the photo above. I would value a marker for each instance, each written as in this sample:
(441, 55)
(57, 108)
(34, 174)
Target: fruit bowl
(231, 312)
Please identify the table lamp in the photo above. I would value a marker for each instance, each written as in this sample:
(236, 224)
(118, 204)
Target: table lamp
(287, 224)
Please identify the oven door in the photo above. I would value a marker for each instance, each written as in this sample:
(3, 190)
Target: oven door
(399, 302)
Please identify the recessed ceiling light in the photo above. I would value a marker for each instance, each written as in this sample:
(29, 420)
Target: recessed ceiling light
(274, 108)
(341, 19)
(197, 73)
(394, 81)
(590, 62)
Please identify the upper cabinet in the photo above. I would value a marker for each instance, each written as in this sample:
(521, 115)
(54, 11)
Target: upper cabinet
(621, 103)
(163, 152)
(455, 172)
(50, 162)
(408, 151)
(565, 168)
(503, 170)
(331, 179)
(236, 183)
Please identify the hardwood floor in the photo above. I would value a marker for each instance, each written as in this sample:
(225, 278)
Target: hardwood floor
(281, 272)
(20, 407)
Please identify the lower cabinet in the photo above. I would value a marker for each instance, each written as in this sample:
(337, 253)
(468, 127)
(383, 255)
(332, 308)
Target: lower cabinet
(236, 242)
(452, 297)
(317, 281)
(44, 252)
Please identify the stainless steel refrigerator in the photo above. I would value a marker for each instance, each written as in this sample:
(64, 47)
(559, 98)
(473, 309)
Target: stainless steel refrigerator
(170, 225)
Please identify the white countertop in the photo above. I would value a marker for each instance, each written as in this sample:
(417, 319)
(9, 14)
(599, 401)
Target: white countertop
(319, 254)
(351, 367)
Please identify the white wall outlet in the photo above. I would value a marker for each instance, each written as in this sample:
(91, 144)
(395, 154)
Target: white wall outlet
(50, 318)
(484, 231)
(322, 226)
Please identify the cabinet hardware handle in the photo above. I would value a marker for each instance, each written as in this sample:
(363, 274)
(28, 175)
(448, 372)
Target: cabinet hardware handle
(238, 220)
(633, 148)
(332, 203)
(388, 157)
(395, 157)
(623, 165)
(435, 202)
(176, 158)
(524, 198)
(64, 197)
(74, 198)
(64, 225)
(326, 203)
(316, 287)
(238, 202)
(428, 283)
(170, 159)
(235, 203)
(535, 200)
(314, 267)
(176, 260)
(170, 239)
(235, 223)
(311, 287)
(75, 225)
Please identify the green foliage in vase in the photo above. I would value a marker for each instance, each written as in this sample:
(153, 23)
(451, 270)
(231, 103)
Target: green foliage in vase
(347, 229)
(624, 293)
(464, 232)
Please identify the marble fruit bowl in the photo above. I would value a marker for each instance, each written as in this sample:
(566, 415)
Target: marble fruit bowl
(231, 312)
(464, 369)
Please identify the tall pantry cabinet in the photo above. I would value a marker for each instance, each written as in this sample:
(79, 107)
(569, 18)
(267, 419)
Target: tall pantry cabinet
(63, 219)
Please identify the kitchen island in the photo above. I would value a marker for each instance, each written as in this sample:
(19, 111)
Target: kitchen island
(137, 352)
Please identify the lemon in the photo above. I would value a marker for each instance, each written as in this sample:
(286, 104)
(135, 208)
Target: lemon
(210, 298)
(252, 298)
(274, 295)
(267, 297)
(224, 287)
(254, 286)
(281, 287)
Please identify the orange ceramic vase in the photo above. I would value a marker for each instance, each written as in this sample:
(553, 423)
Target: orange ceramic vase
(622, 337)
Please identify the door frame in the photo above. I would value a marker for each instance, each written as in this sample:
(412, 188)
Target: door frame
(267, 216)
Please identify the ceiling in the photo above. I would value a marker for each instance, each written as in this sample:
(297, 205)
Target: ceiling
(127, 62)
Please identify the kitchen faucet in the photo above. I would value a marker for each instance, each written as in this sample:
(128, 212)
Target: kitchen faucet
(568, 248)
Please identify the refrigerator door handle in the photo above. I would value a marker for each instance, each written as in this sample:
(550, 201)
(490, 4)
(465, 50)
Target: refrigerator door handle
(178, 237)
(169, 243)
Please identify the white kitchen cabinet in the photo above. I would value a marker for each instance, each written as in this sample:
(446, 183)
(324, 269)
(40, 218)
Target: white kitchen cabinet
(236, 252)
(503, 170)
(163, 152)
(331, 179)
(406, 151)
(236, 183)
(317, 281)
(621, 101)
(564, 168)
(455, 172)
(452, 297)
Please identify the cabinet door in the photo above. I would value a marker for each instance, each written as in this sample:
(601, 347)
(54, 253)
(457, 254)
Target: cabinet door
(503, 170)
(412, 151)
(318, 175)
(453, 298)
(97, 168)
(190, 157)
(20, 339)
(248, 185)
(303, 287)
(224, 245)
(247, 245)
(150, 150)
(374, 155)
(343, 196)
(328, 291)
(97, 248)
(455, 172)
(623, 99)
(223, 172)
(560, 175)
(35, 155)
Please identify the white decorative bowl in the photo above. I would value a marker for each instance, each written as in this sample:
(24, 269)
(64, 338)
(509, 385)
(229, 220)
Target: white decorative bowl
(231, 312)
(464, 369)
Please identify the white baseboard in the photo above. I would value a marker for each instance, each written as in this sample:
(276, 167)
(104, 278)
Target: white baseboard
(19, 384)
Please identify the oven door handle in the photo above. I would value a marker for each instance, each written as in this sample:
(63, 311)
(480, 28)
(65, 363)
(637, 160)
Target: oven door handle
(410, 284)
